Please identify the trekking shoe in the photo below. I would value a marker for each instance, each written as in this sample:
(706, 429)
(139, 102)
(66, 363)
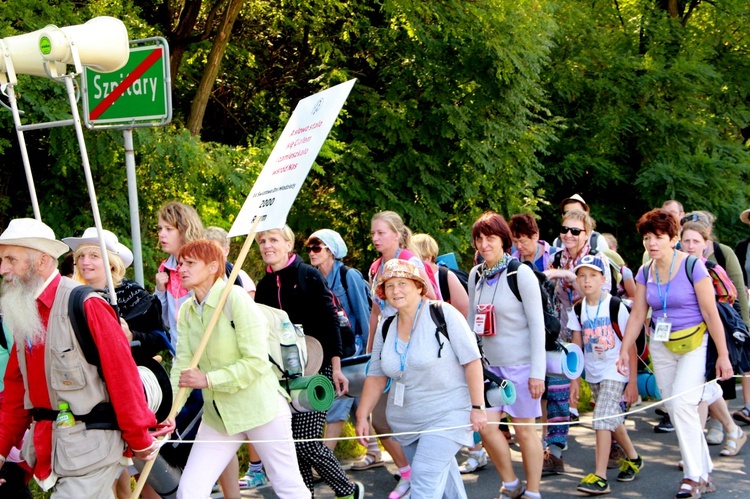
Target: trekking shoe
(593, 485)
(516, 493)
(476, 460)
(665, 425)
(359, 492)
(629, 468)
(715, 434)
(402, 490)
(616, 453)
(254, 480)
(742, 416)
(553, 465)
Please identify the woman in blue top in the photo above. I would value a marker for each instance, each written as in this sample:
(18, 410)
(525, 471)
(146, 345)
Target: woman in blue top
(326, 249)
(681, 313)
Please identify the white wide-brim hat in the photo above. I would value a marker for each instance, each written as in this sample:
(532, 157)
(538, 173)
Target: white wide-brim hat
(34, 234)
(745, 216)
(110, 242)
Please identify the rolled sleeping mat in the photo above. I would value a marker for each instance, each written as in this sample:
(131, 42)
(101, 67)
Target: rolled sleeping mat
(497, 395)
(355, 370)
(164, 478)
(647, 386)
(566, 361)
(311, 393)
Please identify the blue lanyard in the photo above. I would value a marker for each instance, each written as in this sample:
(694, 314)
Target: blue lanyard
(663, 299)
(402, 356)
(601, 298)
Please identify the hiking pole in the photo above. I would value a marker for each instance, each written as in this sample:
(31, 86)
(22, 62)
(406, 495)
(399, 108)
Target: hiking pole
(179, 399)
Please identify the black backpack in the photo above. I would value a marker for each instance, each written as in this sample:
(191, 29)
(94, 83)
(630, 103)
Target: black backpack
(463, 278)
(551, 322)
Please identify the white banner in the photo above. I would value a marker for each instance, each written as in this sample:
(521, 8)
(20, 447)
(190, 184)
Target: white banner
(290, 161)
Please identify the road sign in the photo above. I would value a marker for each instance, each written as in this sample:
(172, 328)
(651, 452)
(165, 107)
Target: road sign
(137, 95)
(279, 182)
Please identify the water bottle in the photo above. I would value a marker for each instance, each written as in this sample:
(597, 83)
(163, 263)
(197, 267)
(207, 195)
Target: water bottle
(494, 395)
(343, 319)
(290, 351)
(65, 418)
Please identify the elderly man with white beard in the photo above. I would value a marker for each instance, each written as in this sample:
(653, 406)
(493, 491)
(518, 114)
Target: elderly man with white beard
(47, 366)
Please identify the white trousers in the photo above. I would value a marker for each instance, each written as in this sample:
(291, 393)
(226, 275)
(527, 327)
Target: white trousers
(208, 459)
(685, 374)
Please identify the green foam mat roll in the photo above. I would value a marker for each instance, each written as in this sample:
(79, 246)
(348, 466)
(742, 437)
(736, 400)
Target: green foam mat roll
(311, 393)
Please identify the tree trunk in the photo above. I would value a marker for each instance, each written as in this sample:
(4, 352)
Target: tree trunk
(198, 108)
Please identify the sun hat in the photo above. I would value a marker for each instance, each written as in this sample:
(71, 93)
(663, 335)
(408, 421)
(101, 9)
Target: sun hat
(32, 233)
(591, 262)
(314, 356)
(745, 216)
(575, 198)
(399, 268)
(110, 242)
(332, 239)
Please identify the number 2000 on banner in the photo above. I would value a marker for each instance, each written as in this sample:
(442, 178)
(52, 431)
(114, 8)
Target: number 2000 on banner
(267, 202)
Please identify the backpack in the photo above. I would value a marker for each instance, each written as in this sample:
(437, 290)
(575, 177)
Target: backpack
(612, 261)
(441, 328)
(343, 270)
(276, 319)
(463, 278)
(348, 345)
(551, 322)
(641, 345)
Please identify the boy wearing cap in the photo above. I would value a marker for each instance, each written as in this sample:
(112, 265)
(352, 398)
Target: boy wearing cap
(594, 332)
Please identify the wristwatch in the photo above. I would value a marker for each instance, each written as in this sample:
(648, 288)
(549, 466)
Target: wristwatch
(480, 407)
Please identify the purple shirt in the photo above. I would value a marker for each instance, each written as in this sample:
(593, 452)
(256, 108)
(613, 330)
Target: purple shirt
(682, 304)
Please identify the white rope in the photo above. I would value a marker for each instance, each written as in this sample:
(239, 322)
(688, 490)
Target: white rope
(382, 435)
(151, 388)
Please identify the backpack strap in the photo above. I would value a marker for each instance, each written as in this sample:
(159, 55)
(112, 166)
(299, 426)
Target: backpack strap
(438, 317)
(721, 258)
(3, 339)
(80, 326)
(513, 267)
(342, 277)
(445, 289)
(556, 259)
(594, 240)
(614, 313)
(690, 262)
(578, 309)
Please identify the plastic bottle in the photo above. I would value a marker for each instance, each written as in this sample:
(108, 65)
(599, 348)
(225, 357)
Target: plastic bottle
(290, 351)
(343, 319)
(65, 418)
(494, 395)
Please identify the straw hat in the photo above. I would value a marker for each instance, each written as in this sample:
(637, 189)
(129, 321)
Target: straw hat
(314, 356)
(110, 242)
(32, 233)
(745, 216)
(399, 268)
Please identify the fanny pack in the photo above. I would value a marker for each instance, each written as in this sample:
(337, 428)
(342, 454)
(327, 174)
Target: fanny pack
(686, 340)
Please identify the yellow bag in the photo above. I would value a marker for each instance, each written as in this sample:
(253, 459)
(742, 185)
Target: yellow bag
(686, 340)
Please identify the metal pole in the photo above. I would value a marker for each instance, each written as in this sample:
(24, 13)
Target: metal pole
(90, 184)
(135, 223)
(11, 92)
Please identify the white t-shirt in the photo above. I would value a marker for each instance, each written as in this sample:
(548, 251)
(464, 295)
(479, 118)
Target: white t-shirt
(601, 345)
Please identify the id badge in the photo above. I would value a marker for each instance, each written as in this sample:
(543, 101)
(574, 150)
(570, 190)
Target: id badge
(662, 329)
(398, 395)
(479, 321)
(484, 320)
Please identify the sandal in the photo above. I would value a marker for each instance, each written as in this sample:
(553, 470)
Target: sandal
(742, 416)
(368, 462)
(688, 488)
(707, 486)
(733, 444)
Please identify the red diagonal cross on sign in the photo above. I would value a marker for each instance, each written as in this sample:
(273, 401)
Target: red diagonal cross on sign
(125, 84)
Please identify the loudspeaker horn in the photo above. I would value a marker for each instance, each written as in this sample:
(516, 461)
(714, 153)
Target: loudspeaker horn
(102, 44)
(23, 51)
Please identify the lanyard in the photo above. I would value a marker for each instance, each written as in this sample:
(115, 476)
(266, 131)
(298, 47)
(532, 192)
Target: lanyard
(402, 356)
(663, 299)
(601, 298)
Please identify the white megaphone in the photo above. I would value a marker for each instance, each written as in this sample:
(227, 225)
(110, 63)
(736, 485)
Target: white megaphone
(101, 44)
(20, 55)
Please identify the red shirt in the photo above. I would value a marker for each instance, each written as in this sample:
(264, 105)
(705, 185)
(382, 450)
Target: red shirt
(123, 384)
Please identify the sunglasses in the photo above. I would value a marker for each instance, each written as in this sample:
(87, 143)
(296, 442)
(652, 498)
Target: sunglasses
(315, 249)
(573, 230)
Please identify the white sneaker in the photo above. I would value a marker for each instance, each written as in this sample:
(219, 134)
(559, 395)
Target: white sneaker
(476, 460)
(715, 435)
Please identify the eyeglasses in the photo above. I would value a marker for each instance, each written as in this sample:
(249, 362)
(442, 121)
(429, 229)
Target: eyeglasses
(573, 230)
(694, 217)
(316, 248)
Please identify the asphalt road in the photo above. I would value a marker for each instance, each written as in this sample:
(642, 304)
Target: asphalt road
(659, 478)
